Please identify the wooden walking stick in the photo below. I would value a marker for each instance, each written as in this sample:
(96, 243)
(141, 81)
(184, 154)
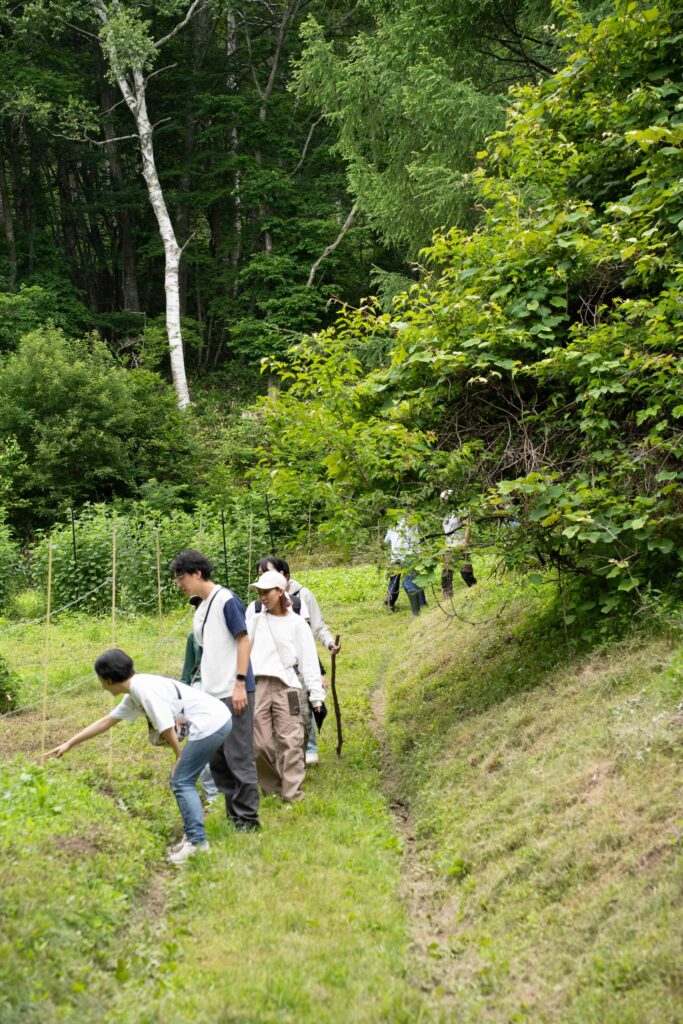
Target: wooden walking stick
(335, 699)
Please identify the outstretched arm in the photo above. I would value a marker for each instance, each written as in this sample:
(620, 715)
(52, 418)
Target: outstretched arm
(94, 729)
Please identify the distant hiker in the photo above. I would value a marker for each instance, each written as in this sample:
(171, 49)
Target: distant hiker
(163, 702)
(287, 673)
(305, 603)
(457, 528)
(404, 542)
(220, 630)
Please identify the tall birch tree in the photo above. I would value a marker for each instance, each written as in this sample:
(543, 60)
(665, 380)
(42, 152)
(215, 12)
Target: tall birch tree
(130, 51)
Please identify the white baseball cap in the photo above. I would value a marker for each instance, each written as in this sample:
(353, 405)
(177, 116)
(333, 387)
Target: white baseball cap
(269, 580)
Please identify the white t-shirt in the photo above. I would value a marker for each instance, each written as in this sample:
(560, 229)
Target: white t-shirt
(279, 642)
(455, 534)
(157, 698)
(403, 539)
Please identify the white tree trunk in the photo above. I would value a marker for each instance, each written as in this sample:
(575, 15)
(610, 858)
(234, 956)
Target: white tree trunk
(172, 252)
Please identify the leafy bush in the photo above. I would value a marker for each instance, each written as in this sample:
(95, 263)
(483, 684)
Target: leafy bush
(83, 428)
(86, 579)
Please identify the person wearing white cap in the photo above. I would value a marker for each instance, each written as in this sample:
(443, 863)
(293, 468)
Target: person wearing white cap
(287, 671)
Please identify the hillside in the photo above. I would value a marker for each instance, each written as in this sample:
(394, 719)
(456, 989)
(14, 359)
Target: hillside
(499, 841)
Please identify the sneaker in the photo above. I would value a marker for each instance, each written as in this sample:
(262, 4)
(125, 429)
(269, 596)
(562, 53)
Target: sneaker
(311, 757)
(186, 851)
(174, 847)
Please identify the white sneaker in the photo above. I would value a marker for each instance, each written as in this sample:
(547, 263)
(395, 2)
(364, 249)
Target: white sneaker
(186, 851)
(174, 847)
(311, 757)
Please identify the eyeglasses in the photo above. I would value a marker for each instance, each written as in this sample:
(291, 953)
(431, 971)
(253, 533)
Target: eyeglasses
(179, 575)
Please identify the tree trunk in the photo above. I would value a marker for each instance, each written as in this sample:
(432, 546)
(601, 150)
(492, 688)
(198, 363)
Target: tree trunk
(136, 102)
(8, 222)
(129, 273)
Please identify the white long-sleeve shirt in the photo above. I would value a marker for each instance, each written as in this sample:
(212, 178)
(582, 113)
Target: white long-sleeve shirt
(278, 643)
(321, 631)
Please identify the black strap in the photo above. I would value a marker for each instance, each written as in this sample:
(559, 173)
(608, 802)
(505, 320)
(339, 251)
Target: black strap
(214, 595)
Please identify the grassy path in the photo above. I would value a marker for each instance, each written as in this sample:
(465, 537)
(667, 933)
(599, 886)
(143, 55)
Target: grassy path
(302, 922)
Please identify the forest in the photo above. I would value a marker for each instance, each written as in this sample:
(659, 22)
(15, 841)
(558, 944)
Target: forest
(276, 275)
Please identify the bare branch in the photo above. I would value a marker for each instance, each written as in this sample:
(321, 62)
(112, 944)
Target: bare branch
(187, 241)
(333, 246)
(305, 149)
(192, 10)
(160, 71)
(82, 31)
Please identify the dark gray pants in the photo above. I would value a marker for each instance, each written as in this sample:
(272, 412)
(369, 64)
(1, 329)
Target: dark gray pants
(233, 767)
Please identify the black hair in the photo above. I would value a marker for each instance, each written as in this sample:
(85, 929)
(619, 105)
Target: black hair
(278, 564)
(189, 560)
(195, 602)
(114, 666)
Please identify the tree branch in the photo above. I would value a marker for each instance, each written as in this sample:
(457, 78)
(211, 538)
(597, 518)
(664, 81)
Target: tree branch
(333, 246)
(305, 149)
(192, 10)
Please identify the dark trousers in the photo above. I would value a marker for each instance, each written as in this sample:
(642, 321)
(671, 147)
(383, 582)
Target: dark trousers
(408, 585)
(233, 767)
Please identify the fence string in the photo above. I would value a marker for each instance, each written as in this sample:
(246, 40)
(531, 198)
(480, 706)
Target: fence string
(62, 608)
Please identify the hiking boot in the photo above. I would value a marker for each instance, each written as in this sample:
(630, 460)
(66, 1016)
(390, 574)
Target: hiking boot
(186, 851)
(414, 598)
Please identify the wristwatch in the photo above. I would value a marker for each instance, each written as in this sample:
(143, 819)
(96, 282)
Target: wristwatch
(241, 678)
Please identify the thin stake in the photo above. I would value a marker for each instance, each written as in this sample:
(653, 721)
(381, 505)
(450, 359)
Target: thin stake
(270, 526)
(113, 634)
(73, 544)
(159, 601)
(225, 546)
(46, 653)
(251, 531)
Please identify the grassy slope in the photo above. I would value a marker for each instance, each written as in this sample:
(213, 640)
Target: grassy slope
(544, 794)
(546, 798)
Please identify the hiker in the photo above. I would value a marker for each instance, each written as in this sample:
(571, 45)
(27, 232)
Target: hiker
(164, 703)
(191, 674)
(283, 654)
(403, 540)
(457, 529)
(305, 603)
(220, 630)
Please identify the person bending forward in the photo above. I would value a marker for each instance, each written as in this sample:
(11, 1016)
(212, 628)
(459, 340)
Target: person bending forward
(163, 702)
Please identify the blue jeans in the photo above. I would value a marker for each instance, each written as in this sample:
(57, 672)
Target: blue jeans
(312, 744)
(188, 768)
(206, 782)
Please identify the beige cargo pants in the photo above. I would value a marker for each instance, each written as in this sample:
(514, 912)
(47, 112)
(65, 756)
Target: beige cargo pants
(279, 738)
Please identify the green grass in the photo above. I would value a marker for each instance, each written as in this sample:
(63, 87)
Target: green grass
(545, 789)
(541, 861)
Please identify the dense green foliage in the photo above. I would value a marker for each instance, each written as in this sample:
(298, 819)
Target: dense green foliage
(536, 370)
(76, 426)
(413, 95)
(254, 189)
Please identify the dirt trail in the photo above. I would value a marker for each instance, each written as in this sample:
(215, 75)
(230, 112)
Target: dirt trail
(431, 914)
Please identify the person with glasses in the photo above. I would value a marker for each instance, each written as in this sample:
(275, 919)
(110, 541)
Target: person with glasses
(220, 630)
